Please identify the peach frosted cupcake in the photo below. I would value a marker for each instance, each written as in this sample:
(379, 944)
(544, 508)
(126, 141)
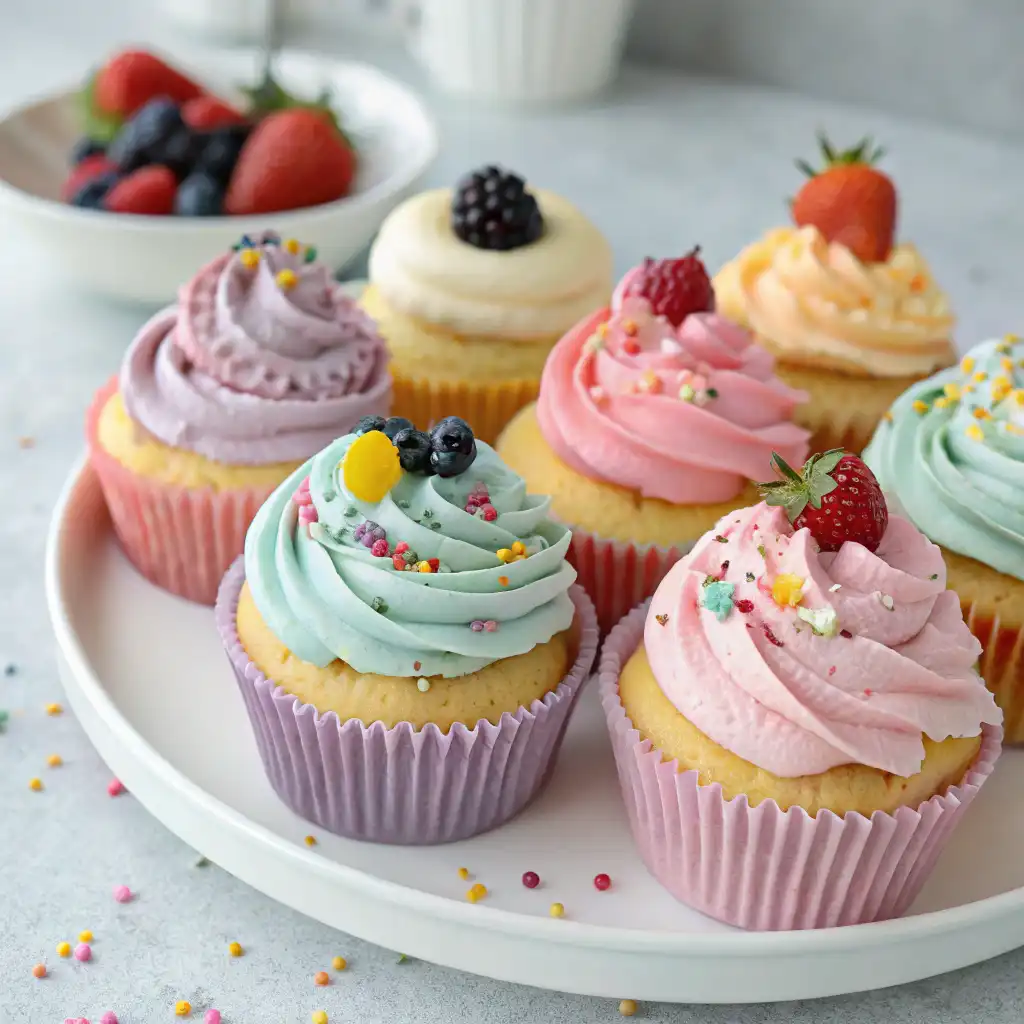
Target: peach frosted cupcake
(653, 418)
(853, 317)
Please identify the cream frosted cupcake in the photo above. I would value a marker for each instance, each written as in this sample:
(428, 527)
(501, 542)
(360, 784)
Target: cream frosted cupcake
(853, 317)
(261, 362)
(406, 636)
(797, 729)
(472, 286)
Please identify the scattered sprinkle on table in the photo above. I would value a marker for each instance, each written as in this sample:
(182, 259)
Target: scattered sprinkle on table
(182, 1008)
(235, 949)
(85, 936)
(531, 879)
(628, 1007)
(201, 862)
(54, 709)
(26, 442)
(602, 882)
(35, 785)
(63, 949)
(463, 873)
(115, 787)
(55, 760)
(211, 1017)
(10, 669)
(319, 1017)
(339, 963)
(109, 1018)
(83, 952)
(476, 892)
(39, 971)
(321, 978)
(4, 719)
(310, 840)
(557, 910)
(122, 894)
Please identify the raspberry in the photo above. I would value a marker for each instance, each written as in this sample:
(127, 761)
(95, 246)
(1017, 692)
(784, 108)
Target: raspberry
(675, 288)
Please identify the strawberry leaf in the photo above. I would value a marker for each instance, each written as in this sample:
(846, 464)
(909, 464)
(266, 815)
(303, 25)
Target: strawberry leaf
(96, 124)
(782, 466)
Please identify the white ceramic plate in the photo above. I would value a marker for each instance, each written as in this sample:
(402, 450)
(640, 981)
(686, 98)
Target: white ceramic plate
(146, 676)
(145, 259)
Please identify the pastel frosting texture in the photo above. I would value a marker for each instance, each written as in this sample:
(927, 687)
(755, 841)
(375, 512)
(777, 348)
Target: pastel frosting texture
(814, 303)
(248, 370)
(687, 415)
(326, 596)
(951, 453)
(888, 659)
(422, 269)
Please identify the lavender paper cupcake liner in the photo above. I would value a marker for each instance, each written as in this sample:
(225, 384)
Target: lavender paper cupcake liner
(403, 785)
(763, 868)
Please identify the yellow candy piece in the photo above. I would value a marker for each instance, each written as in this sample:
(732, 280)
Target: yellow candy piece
(370, 467)
(287, 279)
(788, 590)
(250, 258)
(292, 246)
(518, 548)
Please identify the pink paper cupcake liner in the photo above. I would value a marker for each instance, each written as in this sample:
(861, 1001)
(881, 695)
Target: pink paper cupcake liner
(402, 785)
(182, 540)
(618, 575)
(763, 868)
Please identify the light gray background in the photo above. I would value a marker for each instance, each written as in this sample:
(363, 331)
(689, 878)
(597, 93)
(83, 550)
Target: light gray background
(663, 162)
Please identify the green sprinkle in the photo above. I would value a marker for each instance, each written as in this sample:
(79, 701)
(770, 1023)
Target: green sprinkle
(750, 577)
(402, 503)
(720, 539)
(823, 621)
(435, 526)
(717, 598)
(711, 392)
(761, 551)
(427, 514)
(201, 862)
(378, 604)
(402, 958)
(934, 576)
(329, 495)
(351, 512)
(310, 253)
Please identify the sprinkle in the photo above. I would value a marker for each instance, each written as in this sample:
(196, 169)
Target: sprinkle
(1011, 339)
(39, 971)
(182, 1008)
(686, 393)
(770, 636)
(111, 1018)
(1018, 396)
(476, 892)
(310, 840)
(719, 539)
(115, 787)
(531, 879)
(556, 910)
(661, 619)
(823, 621)
(846, 634)
(85, 936)
(942, 402)
(934, 576)
(319, 1017)
(716, 597)
(292, 246)
(966, 364)
(979, 377)
(788, 590)
(598, 393)
(235, 949)
(55, 760)
(286, 279)
(887, 416)
(649, 383)
(887, 601)
(952, 390)
(868, 693)
(968, 389)
(602, 882)
(201, 862)
(378, 604)
(122, 894)
(831, 670)
(35, 785)
(311, 254)
(54, 709)
(64, 949)
(503, 580)
(750, 577)
(423, 685)
(463, 873)
(339, 963)
(919, 407)
(321, 978)
(402, 958)
(630, 328)
(975, 433)
(917, 283)
(981, 414)
(83, 952)
(10, 669)
(744, 606)
(761, 551)
(417, 665)
(250, 259)
(834, 587)
(628, 1007)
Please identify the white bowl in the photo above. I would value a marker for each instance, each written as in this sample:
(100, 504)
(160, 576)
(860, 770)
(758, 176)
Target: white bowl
(146, 259)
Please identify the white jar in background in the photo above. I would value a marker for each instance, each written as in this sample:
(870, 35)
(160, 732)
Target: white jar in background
(521, 51)
(227, 21)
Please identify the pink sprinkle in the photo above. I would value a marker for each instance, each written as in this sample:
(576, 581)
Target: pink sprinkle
(83, 952)
(109, 1018)
(490, 513)
(490, 626)
(597, 393)
(115, 787)
(122, 894)
(832, 670)
(379, 549)
(401, 547)
(211, 1017)
(867, 693)
(477, 625)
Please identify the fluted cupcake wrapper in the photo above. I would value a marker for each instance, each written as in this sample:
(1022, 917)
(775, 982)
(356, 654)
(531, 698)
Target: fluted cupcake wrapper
(180, 539)
(487, 408)
(402, 784)
(763, 868)
(618, 575)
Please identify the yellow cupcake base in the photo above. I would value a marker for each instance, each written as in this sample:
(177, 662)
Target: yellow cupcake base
(843, 790)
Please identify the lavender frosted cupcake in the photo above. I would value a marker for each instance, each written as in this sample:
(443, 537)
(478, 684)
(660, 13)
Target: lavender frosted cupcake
(261, 362)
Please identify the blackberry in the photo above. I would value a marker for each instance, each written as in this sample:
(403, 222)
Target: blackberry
(492, 209)
(394, 424)
(414, 450)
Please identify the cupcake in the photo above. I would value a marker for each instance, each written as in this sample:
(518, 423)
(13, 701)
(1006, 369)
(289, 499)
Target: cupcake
(472, 287)
(950, 453)
(407, 636)
(652, 419)
(853, 317)
(261, 363)
(796, 718)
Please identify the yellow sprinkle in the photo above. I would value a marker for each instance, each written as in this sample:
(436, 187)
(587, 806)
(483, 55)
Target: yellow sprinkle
(1018, 396)
(981, 414)
(477, 892)
(35, 785)
(287, 279)
(423, 567)
(1011, 339)
(1006, 364)
(999, 393)
(63, 949)
(310, 840)
(292, 246)
(1003, 381)
(557, 910)
(518, 548)
(463, 873)
(85, 936)
(1020, 362)
(235, 949)
(54, 709)
(319, 1017)
(602, 330)
(182, 1008)
(339, 963)
(943, 401)
(920, 407)
(975, 433)
(979, 377)
(55, 760)
(504, 554)
(630, 327)
(887, 416)
(628, 1007)
(968, 389)
(1012, 428)
(250, 258)
(967, 364)
(788, 590)
(952, 390)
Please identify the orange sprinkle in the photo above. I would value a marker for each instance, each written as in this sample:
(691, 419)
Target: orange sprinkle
(917, 283)
(54, 709)
(463, 873)
(503, 580)
(628, 1007)
(630, 327)
(310, 840)
(919, 407)
(55, 760)
(981, 414)
(39, 971)
(321, 978)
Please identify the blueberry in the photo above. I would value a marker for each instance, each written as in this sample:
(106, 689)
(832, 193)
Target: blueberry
(91, 195)
(413, 450)
(151, 127)
(179, 151)
(368, 424)
(84, 148)
(396, 423)
(451, 463)
(220, 149)
(454, 447)
(199, 196)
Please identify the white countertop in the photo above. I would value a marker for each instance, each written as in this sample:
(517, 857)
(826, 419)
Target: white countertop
(663, 163)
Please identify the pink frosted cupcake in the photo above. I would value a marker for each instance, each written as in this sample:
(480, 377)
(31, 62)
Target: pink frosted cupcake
(798, 729)
(261, 363)
(652, 420)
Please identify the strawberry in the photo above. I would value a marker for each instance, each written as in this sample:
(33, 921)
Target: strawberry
(149, 190)
(89, 168)
(206, 112)
(130, 79)
(850, 202)
(674, 288)
(835, 496)
(293, 158)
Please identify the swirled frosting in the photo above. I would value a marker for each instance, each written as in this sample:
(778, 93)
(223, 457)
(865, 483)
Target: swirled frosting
(687, 415)
(422, 269)
(815, 304)
(799, 661)
(951, 452)
(326, 596)
(262, 360)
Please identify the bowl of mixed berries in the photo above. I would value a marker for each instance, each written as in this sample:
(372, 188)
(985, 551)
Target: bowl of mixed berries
(133, 180)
